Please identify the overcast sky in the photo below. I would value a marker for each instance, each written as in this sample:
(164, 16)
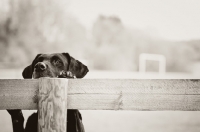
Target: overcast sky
(169, 19)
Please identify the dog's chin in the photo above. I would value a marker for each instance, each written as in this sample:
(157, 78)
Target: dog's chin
(37, 75)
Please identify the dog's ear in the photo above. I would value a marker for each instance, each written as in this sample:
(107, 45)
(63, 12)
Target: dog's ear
(28, 71)
(76, 67)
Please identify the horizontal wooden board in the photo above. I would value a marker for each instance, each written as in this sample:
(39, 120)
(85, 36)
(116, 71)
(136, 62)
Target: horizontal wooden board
(109, 94)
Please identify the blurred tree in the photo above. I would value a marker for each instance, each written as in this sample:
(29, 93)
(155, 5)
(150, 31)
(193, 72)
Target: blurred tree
(114, 43)
(35, 26)
(106, 29)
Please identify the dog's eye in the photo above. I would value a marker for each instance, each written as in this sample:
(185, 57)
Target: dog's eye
(57, 62)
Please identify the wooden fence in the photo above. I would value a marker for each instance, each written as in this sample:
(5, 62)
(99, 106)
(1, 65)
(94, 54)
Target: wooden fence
(52, 96)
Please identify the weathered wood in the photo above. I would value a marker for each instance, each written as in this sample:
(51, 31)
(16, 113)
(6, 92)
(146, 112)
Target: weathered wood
(110, 94)
(18, 93)
(52, 105)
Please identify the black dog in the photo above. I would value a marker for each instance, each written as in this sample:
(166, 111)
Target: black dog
(51, 65)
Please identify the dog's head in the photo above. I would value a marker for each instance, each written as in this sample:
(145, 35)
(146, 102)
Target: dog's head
(50, 65)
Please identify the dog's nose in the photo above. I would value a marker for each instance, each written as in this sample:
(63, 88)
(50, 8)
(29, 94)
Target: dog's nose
(40, 66)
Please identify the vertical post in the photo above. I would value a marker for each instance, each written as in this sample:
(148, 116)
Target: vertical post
(162, 64)
(52, 105)
(142, 63)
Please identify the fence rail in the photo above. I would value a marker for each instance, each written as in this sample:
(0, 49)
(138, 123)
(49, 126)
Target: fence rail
(106, 94)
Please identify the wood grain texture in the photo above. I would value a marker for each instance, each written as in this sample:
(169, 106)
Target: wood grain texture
(52, 105)
(110, 94)
(18, 93)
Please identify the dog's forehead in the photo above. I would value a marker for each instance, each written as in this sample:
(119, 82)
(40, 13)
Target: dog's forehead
(49, 56)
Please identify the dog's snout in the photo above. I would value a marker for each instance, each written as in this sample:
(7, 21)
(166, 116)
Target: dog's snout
(40, 66)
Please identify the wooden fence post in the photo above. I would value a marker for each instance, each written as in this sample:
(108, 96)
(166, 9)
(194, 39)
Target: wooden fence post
(52, 105)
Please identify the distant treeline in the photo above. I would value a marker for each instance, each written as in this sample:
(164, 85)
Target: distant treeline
(31, 27)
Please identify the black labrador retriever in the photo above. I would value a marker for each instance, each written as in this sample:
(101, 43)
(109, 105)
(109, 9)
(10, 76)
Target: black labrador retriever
(60, 65)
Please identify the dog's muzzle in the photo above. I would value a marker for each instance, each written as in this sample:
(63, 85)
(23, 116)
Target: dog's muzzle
(40, 66)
